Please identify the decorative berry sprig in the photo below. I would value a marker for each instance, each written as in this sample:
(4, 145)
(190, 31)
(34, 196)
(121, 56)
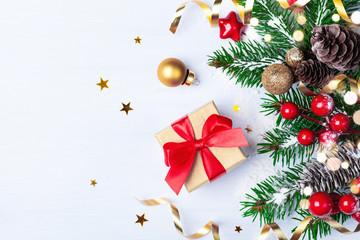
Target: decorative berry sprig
(322, 204)
(322, 105)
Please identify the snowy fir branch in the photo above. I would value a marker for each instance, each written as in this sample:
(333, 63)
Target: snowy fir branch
(274, 198)
(277, 22)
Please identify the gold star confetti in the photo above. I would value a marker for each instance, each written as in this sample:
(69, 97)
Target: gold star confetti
(236, 108)
(141, 219)
(93, 182)
(126, 108)
(137, 40)
(248, 129)
(103, 84)
(238, 229)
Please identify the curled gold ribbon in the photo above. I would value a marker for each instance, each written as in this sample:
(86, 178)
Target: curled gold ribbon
(211, 14)
(342, 12)
(244, 12)
(301, 228)
(334, 84)
(338, 227)
(210, 226)
(280, 234)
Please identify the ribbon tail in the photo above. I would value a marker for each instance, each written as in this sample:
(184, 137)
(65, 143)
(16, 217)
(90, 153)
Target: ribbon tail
(212, 166)
(178, 174)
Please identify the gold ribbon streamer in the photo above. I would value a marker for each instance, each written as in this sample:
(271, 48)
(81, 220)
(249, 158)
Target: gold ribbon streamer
(338, 227)
(334, 84)
(301, 228)
(244, 12)
(210, 226)
(342, 12)
(212, 15)
(279, 233)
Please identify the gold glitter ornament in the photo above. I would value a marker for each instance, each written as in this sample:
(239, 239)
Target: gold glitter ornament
(277, 79)
(172, 72)
(293, 57)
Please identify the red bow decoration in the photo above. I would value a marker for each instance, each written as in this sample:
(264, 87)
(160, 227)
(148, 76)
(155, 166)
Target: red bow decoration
(217, 132)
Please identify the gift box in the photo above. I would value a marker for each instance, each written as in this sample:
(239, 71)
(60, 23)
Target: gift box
(200, 147)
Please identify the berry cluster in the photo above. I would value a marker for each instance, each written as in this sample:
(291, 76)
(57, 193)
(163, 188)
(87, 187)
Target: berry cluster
(322, 204)
(322, 105)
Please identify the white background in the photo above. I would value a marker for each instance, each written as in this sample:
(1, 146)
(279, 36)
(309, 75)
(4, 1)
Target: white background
(58, 130)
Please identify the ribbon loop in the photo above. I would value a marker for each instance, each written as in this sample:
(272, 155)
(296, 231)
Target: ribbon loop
(180, 157)
(245, 12)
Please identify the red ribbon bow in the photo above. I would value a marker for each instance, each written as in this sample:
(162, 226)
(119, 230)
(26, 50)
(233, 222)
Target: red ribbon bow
(217, 132)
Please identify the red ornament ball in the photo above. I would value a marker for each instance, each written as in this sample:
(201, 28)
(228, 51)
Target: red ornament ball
(335, 198)
(340, 123)
(356, 216)
(306, 137)
(348, 204)
(289, 110)
(355, 186)
(328, 138)
(320, 204)
(322, 105)
(231, 27)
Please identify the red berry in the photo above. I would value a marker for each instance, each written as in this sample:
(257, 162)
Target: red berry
(289, 110)
(355, 186)
(306, 137)
(322, 105)
(356, 216)
(335, 197)
(328, 138)
(340, 122)
(320, 204)
(348, 204)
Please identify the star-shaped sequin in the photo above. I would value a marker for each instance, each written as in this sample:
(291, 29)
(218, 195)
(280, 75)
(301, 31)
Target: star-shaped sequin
(126, 108)
(236, 108)
(93, 182)
(141, 219)
(137, 40)
(238, 229)
(248, 129)
(103, 84)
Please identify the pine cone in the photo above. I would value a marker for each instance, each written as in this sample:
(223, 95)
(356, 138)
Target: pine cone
(336, 46)
(317, 176)
(314, 73)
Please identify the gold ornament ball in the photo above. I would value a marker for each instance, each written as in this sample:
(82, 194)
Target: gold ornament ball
(172, 72)
(294, 56)
(277, 79)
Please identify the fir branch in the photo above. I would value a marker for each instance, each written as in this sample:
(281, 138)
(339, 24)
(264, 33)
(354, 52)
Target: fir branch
(272, 104)
(246, 61)
(276, 21)
(284, 146)
(274, 198)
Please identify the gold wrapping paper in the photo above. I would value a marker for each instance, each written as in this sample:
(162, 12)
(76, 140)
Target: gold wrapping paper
(229, 157)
